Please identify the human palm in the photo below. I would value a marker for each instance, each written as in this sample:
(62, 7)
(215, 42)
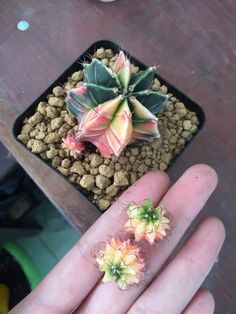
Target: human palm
(74, 285)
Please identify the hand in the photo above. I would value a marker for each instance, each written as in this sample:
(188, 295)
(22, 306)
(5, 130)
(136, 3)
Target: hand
(73, 285)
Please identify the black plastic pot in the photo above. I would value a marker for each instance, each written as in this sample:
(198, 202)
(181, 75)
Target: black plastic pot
(190, 104)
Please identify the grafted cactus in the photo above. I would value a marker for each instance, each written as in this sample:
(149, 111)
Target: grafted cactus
(115, 108)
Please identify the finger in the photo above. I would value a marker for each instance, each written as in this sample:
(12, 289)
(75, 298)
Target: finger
(76, 274)
(183, 201)
(177, 284)
(202, 303)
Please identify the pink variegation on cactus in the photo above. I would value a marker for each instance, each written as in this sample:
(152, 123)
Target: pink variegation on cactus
(74, 147)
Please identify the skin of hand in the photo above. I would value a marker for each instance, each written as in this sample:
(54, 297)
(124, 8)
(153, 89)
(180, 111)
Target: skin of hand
(74, 285)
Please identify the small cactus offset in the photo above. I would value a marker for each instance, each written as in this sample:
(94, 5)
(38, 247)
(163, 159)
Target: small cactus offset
(121, 262)
(147, 222)
(115, 108)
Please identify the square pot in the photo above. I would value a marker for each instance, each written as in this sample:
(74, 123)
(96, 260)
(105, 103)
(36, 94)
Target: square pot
(189, 104)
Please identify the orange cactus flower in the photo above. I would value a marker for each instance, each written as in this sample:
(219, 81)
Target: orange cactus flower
(147, 222)
(121, 262)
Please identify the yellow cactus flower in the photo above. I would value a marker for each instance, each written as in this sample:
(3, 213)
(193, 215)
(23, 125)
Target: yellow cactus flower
(121, 262)
(147, 222)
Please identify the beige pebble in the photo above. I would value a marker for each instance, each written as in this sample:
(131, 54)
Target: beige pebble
(142, 168)
(63, 153)
(58, 91)
(166, 158)
(72, 178)
(52, 138)
(148, 162)
(181, 112)
(114, 58)
(64, 130)
(163, 89)
(68, 85)
(165, 133)
(170, 106)
(118, 166)
(111, 63)
(112, 190)
(78, 168)
(52, 152)
(105, 61)
(100, 53)
(128, 167)
(96, 160)
(56, 161)
(34, 133)
(27, 128)
(35, 119)
(135, 166)
(77, 76)
(56, 102)
(179, 105)
(156, 85)
(186, 134)
(103, 204)
(87, 182)
(93, 171)
(132, 159)
(42, 108)
(51, 112)
(157, 144)
(24, 138)
(173, 139)
(193, 129)
(133, 177)
(102, 182)
(106, 161)
(56, 123)
(43, 155)
(187, 124)
(162, 166)
(121, 178)
(106, 171)
(40, 136)
(96, 191)
(63, 171)
(133, 68)
(69, 119)
(38, 146)
(134, 151)
(66, 163)
(86, 166)
(109, 53)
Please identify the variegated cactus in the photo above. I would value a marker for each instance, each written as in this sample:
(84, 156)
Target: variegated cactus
(121, 262)
(115, 108)
(148, 222)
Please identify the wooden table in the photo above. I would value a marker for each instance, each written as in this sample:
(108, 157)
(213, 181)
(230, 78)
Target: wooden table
(195, 44)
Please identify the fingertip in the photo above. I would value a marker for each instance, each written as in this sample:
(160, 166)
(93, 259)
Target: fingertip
(216, 227)
(204, 171)
(207, 298)
(202, 302)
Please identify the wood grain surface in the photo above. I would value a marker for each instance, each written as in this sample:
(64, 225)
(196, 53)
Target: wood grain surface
(194, 42)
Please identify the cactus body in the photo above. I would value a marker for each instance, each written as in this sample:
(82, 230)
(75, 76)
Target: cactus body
(115, 108)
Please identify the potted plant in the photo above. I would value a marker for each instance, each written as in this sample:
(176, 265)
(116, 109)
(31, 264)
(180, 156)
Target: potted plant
(107, 121)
